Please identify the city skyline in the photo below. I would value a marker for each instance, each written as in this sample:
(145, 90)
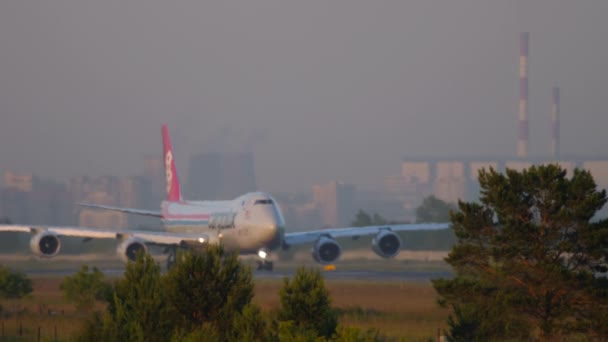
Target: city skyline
(317, 91)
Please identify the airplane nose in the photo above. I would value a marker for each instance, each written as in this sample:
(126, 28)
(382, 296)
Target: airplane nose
(275, 229)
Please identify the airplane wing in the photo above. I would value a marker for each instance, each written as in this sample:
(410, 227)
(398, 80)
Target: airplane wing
(298, 238)
(124, 210)
(148, 237)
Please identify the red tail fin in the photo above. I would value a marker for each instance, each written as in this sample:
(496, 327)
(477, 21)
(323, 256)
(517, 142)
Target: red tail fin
(172, 182)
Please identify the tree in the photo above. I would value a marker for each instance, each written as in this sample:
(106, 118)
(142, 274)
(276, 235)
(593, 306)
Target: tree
(14, 284)
(248, 325)
(208, 287)
(362, 219)
(138, 309)
(527, 258)
(205, 296)
(433, 209)
(85, 287)
(306, 304)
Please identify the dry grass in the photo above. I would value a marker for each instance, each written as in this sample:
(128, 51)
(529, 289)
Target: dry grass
(400, 310)
(46, 309)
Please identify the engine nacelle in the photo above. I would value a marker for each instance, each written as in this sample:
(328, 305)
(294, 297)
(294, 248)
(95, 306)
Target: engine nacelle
(45, 244)
(129, 248)
(326, 250)
(386, 244)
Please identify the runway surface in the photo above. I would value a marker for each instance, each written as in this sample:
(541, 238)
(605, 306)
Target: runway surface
(364, 275)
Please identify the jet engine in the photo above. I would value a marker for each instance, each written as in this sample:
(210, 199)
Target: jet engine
(129, 248)
(326, 250)
(45, 244)
(386, 244)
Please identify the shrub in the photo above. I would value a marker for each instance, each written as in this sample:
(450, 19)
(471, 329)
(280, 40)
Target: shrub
(306, 303)
(14, 284)
(85, 287)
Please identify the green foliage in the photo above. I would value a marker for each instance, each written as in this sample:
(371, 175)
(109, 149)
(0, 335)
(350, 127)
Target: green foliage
(207, 297)
(248, 325)
(208, 287)
(433, 209)
(306, 303)
(350, 334)
(289, 331)
(85, 287)
(363, 219)
(14, 284)
(526, 258)
(138, 309)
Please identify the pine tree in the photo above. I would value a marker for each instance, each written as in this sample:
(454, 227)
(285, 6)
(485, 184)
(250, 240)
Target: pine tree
(527, 258)
(208, 287)
(306, 303)
(138, 310)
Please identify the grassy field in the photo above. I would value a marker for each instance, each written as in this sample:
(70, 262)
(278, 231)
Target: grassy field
(401, 310)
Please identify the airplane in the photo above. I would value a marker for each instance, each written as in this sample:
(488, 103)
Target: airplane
(251, 224)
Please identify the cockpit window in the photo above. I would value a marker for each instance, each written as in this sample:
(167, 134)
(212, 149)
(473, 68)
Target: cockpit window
(263, 201)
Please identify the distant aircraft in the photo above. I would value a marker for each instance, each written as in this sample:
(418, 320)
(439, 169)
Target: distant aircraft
(250, 224)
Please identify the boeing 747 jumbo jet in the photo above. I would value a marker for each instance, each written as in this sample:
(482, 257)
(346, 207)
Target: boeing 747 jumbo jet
(250, 224)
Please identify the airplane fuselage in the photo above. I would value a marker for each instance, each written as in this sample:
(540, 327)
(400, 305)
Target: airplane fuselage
(247, 224)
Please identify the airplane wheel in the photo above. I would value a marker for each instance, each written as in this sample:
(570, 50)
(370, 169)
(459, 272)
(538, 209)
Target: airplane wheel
(268, 265)
(265, 265)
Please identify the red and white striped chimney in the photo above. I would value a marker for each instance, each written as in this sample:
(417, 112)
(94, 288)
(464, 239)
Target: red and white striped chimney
(555, 122)
(522, 142)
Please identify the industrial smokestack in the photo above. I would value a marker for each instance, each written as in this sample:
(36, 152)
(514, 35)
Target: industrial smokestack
(522, 142)
(555, 122)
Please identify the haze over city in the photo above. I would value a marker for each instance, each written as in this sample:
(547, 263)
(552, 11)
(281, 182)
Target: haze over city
(317, 90)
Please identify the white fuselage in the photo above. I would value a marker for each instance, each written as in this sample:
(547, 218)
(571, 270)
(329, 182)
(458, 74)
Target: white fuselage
(247, 224)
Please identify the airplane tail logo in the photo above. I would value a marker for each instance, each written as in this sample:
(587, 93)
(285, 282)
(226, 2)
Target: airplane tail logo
(172, 182)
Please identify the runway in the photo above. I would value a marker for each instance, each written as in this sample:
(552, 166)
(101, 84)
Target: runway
(362, 275)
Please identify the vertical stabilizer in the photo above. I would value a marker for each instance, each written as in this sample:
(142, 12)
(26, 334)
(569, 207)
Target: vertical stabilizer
(171, 180)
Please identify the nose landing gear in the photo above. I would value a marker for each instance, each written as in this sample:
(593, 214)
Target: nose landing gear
(264, 264)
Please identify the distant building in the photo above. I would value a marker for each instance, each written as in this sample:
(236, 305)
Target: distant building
(450, 183)
(27, 199)
(335, 202)
(388, 202)
(101, 218)
(21, 182)
(155, 176)
(82, 187)
(451, 179)
(215, 176)
(107, 190)
(14, 205)
(50, 203)
(299, 211)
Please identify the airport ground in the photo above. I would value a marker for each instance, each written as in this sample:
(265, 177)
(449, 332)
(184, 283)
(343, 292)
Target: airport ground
(400, 310)
(394, 296)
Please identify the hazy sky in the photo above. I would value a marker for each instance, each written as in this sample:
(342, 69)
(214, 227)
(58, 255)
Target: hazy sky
(317, 89)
